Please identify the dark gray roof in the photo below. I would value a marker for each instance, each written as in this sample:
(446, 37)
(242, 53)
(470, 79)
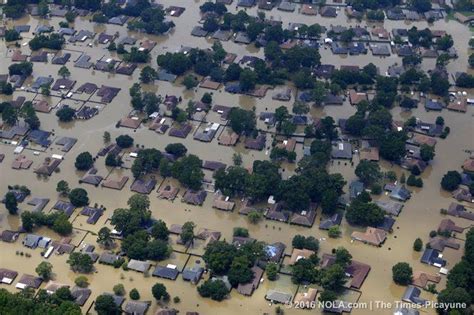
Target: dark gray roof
(165, 272)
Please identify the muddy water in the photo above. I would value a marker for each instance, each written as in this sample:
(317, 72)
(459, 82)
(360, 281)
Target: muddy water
(419, 216)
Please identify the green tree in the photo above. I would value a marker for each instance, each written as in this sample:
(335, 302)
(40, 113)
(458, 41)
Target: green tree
(78, 197)
(81, 282)
(242, 121)
(84, 161)
(368, 172)
(134, 294)
(214, 289)
(9, 115)
(247, 80)
(147, 75)
(333, 278)
(119, 289)
(11, 203)
(190, 82)
(451, 180)
(427, 152)
(159, 292)
(66, 114)
(187, 232)
(105, 305)
(402, 273)
(80, 262)
(364, 213)
(254, 216)
(124, 141)
(44, 270)
(104, 237)
(106, 137)
(64, 72)
(62, 226)
(418, 245)
(272, 271)
(160, 230)
(334, 231)
(177, 149)
(343, 257)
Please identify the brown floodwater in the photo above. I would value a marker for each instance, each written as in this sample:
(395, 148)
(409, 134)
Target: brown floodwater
(419, 216)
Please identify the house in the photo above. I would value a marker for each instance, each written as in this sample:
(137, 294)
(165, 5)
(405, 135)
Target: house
(245, 3)
(29, 281)
(282, 95)
(118, 20)
(380, 49)
(87, 88)
(126, 68)
(53, 286)
(342, 150)
(107, 93)
(439, 243)
(421, 279)
(256, 143)
(276, 213)
(38, 204)
(305, 299)
(298, 254)
(357, 97)
(180, 131)
(332, 99)
(66, 207)
(136, 307)
(334, 220)
(118, 300)
(208, 133)
(412, 295)
(81, 36)
(194, 197)
(274, 252)
(305, 217)
(278, 297)
(369, 153)
(7, 276)
(287, 6)
(93, 214)
(468, 165)
(132, 122)
(143, 186)
(228, 138)
(223, 203)
(31, 241)
(462, 194)
(9, 236)
(91, 177)
(105, 38)
(400, 193)
(380, 33)
(66, 143)
(61, 59)
(386, 224)
(138, 265)
(372, 236)
(222, 35)
(242, 38)
(434, 105)
(324, 71)
(248, 288)
(433, 257)
(164, 75)
(199, 31)
(167, 311)
(356, 187)
(308, 9)
(108, 258)
(83, 62)
(80, 295)
(449, 226)
(328, 11)
(357, 271)
(193, 274)
(390, 207)
(41, 56)
(169, 272)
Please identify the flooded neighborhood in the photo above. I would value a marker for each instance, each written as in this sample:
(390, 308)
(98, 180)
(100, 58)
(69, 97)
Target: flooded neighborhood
(258, 156)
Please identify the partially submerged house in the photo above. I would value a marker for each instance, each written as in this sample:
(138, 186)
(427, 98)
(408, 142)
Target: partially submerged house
(371, 236)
